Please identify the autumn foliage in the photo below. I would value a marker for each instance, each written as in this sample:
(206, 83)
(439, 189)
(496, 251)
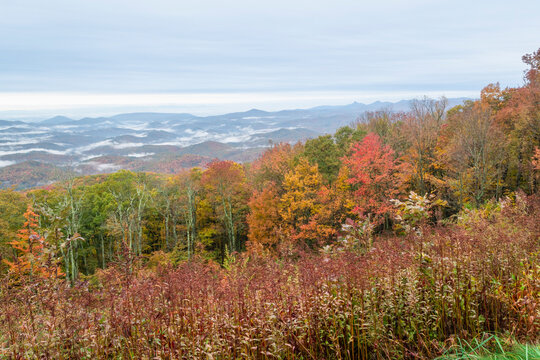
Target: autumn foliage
(262, 219)
(407, 298)
(33, 255)
(398, 236)
(374, 178)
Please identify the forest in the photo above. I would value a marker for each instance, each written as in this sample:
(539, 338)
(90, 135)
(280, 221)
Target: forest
(405, 235)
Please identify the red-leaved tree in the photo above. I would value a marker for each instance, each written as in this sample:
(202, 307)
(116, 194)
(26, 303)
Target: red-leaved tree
(373, 175)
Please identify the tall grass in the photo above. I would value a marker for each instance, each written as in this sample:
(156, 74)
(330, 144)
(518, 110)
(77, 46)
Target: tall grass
(405, 298)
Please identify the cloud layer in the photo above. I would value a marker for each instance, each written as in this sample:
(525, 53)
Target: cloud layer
(119, 46)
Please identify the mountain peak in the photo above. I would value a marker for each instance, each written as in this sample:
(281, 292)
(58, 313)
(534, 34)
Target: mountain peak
(59, 119)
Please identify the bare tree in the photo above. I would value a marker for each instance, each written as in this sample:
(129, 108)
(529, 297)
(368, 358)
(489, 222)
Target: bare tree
(476, 153)
(421, 126)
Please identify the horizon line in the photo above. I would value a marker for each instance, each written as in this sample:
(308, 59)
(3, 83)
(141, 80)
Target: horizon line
(44, 105)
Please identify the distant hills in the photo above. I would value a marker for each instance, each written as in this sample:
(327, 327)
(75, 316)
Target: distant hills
(33, 153)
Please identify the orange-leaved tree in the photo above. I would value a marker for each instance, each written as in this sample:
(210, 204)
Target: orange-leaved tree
(273, 165)
(264, 219)
(33, 255)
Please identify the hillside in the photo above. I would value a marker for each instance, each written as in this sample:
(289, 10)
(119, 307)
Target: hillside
(140, 140)
(404, 235)
(29, 174)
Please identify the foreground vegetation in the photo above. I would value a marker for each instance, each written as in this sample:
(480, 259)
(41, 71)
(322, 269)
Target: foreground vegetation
(407, 297)
(404, 235)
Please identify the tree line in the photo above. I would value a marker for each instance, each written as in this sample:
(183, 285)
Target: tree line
(295, 196)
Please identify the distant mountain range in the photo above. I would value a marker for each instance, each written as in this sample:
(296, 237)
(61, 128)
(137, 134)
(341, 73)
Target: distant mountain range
(160, 141)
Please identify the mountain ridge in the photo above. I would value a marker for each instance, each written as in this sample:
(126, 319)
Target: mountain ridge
(154, 140)
(376, 105)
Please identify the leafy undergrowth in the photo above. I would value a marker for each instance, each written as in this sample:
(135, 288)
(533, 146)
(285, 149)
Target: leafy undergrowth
(415, 297)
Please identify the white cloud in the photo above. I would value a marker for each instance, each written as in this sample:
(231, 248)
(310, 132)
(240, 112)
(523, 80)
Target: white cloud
(138, 155)
(18, 142)
(4, 163)
(25, 151)
(103, 167)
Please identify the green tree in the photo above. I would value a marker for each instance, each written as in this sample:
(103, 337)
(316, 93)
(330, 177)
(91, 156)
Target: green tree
(324, 152)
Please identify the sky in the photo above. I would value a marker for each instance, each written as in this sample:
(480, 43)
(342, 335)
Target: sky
(92, 57)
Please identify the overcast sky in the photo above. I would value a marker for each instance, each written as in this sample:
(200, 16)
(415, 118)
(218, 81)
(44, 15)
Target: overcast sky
(92, 54)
